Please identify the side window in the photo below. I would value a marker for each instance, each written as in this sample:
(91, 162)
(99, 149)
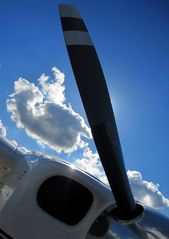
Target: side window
(65, 199)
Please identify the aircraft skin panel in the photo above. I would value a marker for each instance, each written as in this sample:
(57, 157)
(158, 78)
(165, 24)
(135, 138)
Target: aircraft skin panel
(21, 217)
(24, 207)
(12, 168)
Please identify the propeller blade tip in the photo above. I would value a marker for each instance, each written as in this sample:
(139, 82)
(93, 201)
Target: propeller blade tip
(68, 10)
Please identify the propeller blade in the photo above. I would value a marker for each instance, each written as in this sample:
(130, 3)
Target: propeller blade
(96, 100)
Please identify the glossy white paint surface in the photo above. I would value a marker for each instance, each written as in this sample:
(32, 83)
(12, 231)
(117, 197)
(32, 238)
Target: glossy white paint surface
(21, 217)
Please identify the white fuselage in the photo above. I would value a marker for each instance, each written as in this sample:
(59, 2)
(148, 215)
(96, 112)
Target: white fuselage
(20, 179)
(46, 198)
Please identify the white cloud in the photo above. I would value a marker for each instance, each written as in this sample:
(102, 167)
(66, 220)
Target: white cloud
(146, 192)
(42, 113)
(22, 149)
(153, 232)
(3, 133)
(54, 90)
(2, 130)
(90, 162)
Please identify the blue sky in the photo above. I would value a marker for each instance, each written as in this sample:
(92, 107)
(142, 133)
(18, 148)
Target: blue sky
(132, 41)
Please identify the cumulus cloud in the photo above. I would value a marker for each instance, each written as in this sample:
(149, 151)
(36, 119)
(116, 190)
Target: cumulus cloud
(54, 90)
(146, 192)
(90, 162)
(22, 149)
(155, 233)
(3, 134)
(42, 112)
(2, 130)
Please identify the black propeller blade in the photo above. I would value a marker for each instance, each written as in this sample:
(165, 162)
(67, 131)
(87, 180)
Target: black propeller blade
(94, 93)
